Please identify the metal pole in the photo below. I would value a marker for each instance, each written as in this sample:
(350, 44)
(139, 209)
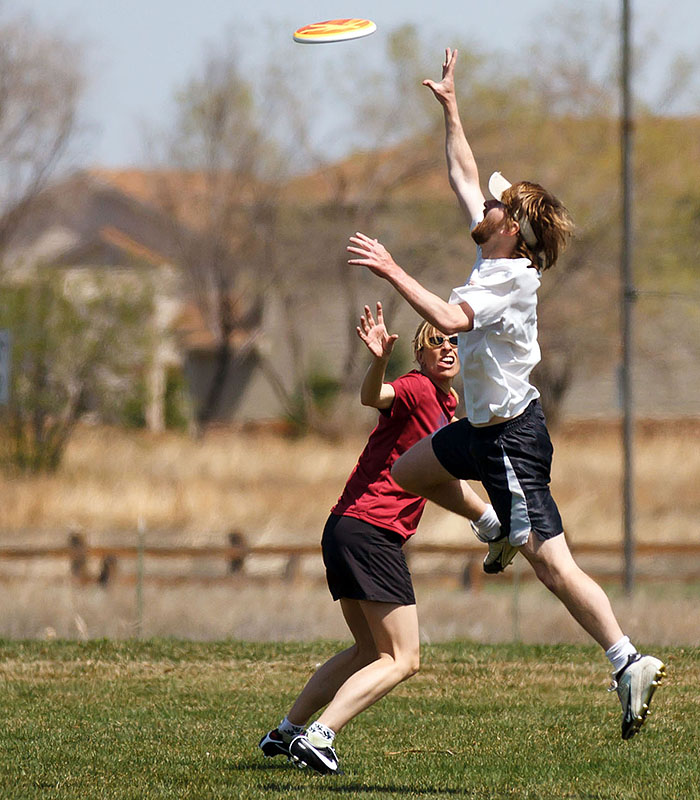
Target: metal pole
(628, 298)
(5, 366)
(139, 577)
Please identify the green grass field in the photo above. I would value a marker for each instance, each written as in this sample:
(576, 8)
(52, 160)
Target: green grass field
(174, 719)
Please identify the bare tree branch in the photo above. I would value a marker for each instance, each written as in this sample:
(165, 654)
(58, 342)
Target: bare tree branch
(40, 85)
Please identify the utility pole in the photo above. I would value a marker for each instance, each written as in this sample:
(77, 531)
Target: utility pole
(628, 298)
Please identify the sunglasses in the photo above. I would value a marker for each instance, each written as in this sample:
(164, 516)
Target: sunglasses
(438, 341)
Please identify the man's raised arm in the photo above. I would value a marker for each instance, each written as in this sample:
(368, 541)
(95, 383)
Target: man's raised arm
(446, 317)
(461, 165)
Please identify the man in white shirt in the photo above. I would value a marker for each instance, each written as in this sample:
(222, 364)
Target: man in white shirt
(504, 442)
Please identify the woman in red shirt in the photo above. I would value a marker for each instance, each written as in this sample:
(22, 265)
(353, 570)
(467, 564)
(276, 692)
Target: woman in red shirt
(362, 548)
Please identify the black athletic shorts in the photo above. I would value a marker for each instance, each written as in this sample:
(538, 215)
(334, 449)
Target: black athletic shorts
(512, 460)
(364, 562)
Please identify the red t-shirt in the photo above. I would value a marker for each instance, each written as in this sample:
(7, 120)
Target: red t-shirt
(371, 494)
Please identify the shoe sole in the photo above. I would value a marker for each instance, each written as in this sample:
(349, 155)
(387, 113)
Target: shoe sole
(318, 766)
(299, 764)
(638, 721)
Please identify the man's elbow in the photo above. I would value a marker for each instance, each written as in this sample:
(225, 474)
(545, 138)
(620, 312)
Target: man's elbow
(468, 322)
(461, 320)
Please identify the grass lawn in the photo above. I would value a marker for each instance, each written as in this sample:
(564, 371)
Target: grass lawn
(176, 719)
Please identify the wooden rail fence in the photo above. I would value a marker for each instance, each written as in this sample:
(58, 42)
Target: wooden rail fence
(666, 561)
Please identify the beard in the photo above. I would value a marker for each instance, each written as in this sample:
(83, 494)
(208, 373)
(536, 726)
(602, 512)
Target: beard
(485, 230)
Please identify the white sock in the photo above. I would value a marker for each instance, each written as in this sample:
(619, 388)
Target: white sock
(320, 735)
(488, 525)
(289, 730)
(620, 652)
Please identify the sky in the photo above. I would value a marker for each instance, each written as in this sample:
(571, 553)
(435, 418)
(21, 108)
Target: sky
(139, 52)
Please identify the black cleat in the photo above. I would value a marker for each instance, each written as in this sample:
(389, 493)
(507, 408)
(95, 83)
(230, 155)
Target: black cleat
(273, 744)
(321, 759)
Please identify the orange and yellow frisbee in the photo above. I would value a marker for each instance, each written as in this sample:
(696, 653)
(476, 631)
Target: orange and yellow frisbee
(334, 30)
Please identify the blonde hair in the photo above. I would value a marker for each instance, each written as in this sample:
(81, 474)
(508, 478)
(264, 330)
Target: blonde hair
(549, 220)
(420, 339)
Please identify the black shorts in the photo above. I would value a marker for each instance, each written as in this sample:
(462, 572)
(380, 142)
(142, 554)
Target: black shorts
(364, 562)
(513, 461)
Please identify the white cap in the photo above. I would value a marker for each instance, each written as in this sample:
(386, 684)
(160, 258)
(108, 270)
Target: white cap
(497, 185)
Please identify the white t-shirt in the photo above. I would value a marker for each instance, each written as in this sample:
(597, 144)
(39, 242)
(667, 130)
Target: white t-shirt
(500, 351)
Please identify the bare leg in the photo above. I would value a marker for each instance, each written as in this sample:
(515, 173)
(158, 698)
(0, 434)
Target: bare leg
(585, 600)
(395, 632)
(325, 682)
(418, 471)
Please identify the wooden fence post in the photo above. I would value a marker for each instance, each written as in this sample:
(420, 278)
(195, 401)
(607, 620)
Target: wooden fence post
(107, 570)
(78, 556)
(291, 571)
(473, 574)
(237, 539)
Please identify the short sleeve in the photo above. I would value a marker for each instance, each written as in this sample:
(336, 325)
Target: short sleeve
(489, 299)
(408, 394)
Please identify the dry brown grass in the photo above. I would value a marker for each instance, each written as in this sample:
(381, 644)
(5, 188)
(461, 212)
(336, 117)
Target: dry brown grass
(195, 491)
(278, 490)
(275, 611)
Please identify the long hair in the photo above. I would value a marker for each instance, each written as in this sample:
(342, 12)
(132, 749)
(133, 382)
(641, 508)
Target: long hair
(550, 222)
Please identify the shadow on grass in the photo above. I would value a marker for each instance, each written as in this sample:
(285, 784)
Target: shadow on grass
(359, 788)
(330, 786)
(261, 766)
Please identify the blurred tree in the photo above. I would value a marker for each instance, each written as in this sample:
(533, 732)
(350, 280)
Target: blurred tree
(570, 130)
(376, 190)
(392, 120)
(222, 176)
(41, 78)
(575, 150)
(77, 341)
(228, 161)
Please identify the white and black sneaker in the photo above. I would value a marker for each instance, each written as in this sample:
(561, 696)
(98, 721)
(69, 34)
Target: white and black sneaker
(501, 553)
(321, 759)
(274, 744)
(636, 683)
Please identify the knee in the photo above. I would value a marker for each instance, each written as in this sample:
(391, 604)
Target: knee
(409, 665)
(547, 577)
(414, 667)
(553, 576)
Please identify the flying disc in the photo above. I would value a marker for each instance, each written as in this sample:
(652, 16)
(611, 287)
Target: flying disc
(334, 30)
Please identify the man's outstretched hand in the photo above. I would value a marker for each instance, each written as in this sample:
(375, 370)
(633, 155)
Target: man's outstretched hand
(445, 89)
(373, 255)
